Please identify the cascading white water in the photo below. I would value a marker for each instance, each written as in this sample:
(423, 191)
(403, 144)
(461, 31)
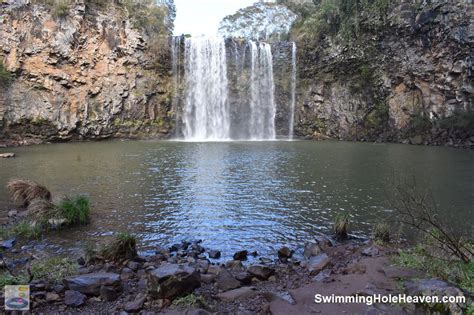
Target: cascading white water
(293, 91)
(206, 112)
(176, 68)
(262, 87)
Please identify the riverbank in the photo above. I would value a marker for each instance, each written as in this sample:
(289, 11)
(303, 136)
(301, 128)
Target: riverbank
(189, 279)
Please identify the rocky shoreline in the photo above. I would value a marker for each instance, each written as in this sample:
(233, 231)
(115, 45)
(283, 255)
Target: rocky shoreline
(187, 278)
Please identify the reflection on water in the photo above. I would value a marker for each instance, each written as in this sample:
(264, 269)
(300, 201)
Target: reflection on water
(234, 195)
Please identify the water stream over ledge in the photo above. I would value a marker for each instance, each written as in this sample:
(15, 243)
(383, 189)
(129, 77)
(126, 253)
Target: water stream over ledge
(236, 195)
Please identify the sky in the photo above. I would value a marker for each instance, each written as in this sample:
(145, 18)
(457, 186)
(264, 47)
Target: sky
(197, 17)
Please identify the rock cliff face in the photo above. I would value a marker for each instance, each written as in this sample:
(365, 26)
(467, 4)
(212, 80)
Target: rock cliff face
(409, 80)
(89, 74)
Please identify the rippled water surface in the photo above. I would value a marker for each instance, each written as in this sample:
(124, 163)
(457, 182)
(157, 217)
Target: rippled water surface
(234, 195)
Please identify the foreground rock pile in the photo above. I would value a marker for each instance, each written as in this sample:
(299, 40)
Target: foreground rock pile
(184, 280)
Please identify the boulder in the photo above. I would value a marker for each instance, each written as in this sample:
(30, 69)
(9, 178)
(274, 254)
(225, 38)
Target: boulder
(173, 280)
(225, 281)
(8, 244)
(244, 277)
(312, 249)
(240, 293)
(241, 255)
(74, 298)
(109, 293)
(317, 263)
(214, 254)
(262, 272)
(208, 278)
(7, 155)
(435, 287)
(91, 283)
(285, 253)
(135, 305)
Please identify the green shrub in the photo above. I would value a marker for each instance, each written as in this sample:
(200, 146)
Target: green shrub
(53, 269)
(459, 120)
(5, 76)
(75, 210)
(452, 270)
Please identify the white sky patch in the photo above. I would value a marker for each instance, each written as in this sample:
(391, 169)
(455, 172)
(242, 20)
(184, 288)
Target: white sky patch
(198, 17)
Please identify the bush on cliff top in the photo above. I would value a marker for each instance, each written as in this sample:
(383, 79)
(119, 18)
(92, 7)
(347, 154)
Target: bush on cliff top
(343, 17)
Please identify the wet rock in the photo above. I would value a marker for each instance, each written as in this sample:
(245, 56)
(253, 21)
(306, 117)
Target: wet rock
(285, 253)
(109, 293)
(135, 305)
(312, 249)
(214, 254)
(173, 280)
(7, 155)
(81, 261)
(240, 293)
(225, 281)
(8, 244)
(91, 283)
(241, 255)
(74, 298)
(265, 260)
(262, 272)
(317, 263)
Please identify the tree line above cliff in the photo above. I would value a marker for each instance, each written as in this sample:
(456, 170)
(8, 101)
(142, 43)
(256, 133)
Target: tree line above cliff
(333, 17)
(155, 17)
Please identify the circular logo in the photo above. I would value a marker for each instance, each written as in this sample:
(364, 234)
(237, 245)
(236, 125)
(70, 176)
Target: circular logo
(16, 303)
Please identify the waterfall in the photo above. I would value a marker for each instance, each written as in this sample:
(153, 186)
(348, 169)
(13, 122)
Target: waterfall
(176, 69)
(206, 113)
(293, 90)
(262, 88)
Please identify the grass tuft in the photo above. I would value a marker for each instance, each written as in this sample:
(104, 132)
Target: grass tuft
(53, 269)
(381, 232)
(8, 279)
(123, 247)
(341, 226)
(190, 301)
(25, 191)
(75, 210)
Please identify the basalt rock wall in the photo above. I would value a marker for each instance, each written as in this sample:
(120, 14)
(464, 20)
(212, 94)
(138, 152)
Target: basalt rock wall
(409, 80)
(89, 74)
